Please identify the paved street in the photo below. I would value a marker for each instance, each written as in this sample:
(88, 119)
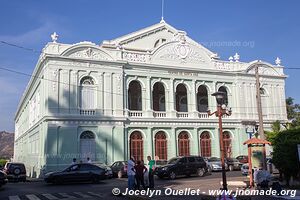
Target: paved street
(38, 190)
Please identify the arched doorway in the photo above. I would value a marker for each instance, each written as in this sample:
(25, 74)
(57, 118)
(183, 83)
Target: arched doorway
(134, 96)
(181, 98)
(158, 97)
(136, 145)
(87, 146)
(224, 89)
(227, 144)
(183, 144)
(202, 99)
(161, 145)
(205, 144)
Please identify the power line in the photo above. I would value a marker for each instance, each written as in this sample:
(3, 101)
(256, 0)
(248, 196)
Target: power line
(94, 89)
(20, 47)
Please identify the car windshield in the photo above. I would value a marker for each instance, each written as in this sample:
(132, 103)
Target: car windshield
(214, 159)
(173, 160)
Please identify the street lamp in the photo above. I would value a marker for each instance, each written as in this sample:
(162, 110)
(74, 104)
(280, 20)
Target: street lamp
(221, 110)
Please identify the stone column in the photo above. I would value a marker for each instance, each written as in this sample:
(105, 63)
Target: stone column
(171, 103)
(192, 108)
(149, 112)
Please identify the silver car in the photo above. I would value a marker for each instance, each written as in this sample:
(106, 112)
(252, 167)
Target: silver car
(245, 169)
(215, 164)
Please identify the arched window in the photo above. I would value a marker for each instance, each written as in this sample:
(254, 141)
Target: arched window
(136, 145)
(227, 144)
(87, 146)
(202, 99)
(205, 144)
(161, 145)
(223, 89)
(87, 93)
(135, 96)
(158, 97)
(181, 98)
(183, 144)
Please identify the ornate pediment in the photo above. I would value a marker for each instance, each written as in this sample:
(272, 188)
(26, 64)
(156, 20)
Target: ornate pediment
(180, 52)
(265, 69)
(87, 52)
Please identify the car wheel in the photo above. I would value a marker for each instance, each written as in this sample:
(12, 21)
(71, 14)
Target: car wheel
(172, 175)
(120, 174)
(200, 172)
(230, 168)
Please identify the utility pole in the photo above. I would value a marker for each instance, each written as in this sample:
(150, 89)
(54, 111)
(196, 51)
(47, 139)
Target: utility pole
(260, 116)
(259, 108)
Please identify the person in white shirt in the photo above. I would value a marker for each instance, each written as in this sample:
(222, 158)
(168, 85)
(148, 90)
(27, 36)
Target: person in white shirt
(131, 173)
(74, 161)
(89, 160)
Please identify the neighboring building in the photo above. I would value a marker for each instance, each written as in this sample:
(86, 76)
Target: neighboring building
(145, 93)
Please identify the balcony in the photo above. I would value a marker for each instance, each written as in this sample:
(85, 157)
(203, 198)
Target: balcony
(87, 112)
(158, 114)
(134, 113)
(182, 114)
(203, 115)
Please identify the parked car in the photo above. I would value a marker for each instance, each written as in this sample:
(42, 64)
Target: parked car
(245, 169)
(77, 173)
(108, 173)
(15, 171)
(159, 163)
(179, 166)
(3, 178)
(233, 164)
(119, 169)
(216, 164)
(242, 158)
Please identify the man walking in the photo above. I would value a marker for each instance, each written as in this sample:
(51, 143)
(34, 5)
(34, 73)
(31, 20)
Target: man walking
(131, 173)
(151, 164)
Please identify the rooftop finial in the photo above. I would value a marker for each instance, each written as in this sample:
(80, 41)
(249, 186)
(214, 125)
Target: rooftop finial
(162, 11)
(54, 37)
(278, 61)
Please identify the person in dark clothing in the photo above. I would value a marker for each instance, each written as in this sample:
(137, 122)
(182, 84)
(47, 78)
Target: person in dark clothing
(140, 169)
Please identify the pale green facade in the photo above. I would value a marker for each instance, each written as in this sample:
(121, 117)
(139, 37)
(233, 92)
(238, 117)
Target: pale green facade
(50, 118)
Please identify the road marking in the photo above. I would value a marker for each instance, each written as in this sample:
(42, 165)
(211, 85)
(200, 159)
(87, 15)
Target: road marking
(65, 195)
(94, 194)
(32, 197)
(82, 195)
(49, 196)
(14, 198)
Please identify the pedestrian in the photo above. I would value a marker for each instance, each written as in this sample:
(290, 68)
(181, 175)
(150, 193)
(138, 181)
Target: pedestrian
(151, 164)
(74, 161)
(89, 160)
(130, 173)
(140, 170)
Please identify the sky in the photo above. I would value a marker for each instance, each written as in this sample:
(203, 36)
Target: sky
(255, 29)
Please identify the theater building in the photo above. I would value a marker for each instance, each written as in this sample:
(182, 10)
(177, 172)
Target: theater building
(145, 93)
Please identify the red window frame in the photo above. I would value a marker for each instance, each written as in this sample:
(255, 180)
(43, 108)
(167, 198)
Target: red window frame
(183, 144)
(161, 145)
(136, 145)
(205, 144)
(227, 144)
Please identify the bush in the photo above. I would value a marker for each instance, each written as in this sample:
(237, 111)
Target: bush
(285, 152)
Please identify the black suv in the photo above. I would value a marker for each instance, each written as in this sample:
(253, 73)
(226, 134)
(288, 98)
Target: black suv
(179, 166)
(3, 178)
(15, 171)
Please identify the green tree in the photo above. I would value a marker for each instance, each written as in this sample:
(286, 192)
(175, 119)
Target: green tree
(285, 152)
(293, 112)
